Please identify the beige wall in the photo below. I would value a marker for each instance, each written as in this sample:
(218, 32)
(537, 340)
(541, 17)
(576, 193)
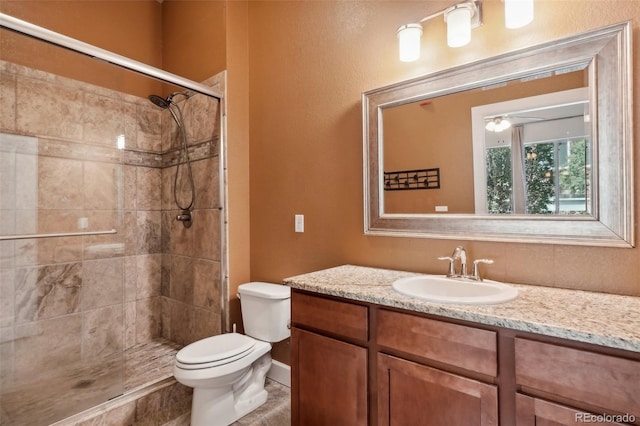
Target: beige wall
(237, 105)
(309, 62)
(185, 37)
(129, 28)
(193, 38)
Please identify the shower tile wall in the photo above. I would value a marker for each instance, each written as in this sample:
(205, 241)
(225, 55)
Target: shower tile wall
(69, 306)
(191, 305)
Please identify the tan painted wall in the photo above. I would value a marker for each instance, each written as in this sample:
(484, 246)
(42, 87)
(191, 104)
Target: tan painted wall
(238, 152)
(129, 28)
(185, 37)
(310, 61)
(194, 41)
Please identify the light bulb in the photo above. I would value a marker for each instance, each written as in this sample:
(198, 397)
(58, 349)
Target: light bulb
(409, 42)
(497, 124)
(518, 13)
(503, 124)
(458, 21)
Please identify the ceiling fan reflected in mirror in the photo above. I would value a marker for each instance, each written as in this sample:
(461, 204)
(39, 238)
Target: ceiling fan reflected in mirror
(501, 123)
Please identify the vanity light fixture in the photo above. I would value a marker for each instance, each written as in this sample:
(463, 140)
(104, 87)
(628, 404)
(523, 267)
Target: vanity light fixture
(498, 124)
(460, 19)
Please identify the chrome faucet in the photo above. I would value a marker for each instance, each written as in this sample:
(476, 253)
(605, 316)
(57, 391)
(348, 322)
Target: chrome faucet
(459, 253)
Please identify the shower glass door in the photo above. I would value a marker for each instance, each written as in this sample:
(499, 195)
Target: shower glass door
(66, 294)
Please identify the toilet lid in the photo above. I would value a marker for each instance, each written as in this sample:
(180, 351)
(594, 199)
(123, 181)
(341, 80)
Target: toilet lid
(216, 348)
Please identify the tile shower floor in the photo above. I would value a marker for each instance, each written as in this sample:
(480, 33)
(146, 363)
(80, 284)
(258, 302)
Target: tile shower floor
(149, 363)
(30, 404)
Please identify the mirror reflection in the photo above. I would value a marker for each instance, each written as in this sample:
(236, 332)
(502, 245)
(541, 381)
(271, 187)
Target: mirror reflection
(536, 160)
(469, 138)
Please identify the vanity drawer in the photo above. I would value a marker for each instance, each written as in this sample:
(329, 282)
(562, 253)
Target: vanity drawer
(592, 378)
(340, 318)
(470, 348)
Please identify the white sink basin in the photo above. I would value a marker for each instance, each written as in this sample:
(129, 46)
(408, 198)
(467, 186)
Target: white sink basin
(440, 289)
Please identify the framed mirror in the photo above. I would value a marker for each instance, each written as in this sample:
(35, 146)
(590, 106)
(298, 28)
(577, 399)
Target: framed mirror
(531, 146)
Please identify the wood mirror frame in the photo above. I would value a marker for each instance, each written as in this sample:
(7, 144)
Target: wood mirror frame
(607, 53)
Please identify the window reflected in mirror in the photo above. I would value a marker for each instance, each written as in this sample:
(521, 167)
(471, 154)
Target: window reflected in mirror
(556, 178)
(534, 155)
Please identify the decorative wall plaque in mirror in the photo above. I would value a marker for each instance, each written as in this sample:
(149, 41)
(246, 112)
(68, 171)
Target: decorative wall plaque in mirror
(534, 145)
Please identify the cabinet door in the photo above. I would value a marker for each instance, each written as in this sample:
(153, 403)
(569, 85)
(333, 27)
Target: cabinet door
(537, 412)
(329, 381)
(592, 378)
(414, 394)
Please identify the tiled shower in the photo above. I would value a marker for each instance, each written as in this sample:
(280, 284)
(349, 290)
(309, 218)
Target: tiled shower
(79, 158)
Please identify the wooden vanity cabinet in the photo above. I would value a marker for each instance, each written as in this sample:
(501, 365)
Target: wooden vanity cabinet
(357, 364)
(329, 362)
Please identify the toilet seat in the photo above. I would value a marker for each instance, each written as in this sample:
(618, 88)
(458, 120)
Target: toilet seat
(214, 351)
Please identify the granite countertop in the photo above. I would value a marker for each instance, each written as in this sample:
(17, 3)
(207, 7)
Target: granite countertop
(597, 318)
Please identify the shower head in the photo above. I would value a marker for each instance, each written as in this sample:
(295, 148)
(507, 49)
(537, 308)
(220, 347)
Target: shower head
(160, 101)
(164, 103)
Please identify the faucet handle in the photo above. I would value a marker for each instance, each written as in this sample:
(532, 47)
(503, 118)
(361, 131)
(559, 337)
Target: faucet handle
(451, 264)
(476, 272)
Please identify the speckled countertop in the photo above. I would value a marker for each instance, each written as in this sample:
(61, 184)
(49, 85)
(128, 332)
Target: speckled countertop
(598, 318)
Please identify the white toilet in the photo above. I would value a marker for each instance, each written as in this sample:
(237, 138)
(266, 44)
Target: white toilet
(227, 371)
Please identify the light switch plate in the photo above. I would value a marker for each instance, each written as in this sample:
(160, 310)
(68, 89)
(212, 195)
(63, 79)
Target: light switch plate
(299, 220)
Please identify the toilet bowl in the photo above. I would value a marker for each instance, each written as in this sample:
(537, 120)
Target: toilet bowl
(227, 371)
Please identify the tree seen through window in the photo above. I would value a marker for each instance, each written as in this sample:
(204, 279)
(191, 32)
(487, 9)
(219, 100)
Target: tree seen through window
(556, 178)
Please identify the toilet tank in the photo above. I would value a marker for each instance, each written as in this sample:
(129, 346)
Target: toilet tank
(266, 310)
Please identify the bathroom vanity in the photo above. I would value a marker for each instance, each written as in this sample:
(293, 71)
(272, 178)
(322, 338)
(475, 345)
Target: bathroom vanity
(364, 354)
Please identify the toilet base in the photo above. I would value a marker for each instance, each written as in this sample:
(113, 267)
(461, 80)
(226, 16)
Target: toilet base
(223, 406)
(245, 407)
